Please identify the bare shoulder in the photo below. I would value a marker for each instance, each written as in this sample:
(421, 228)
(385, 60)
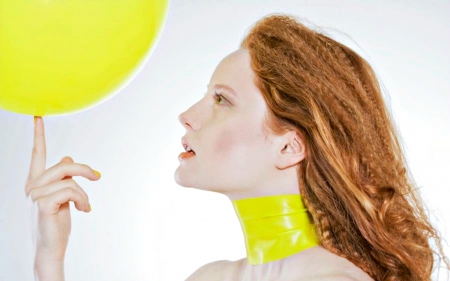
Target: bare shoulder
(323, 265)
(215, 271)
(340, 277)
(315, 264)
(344, 270)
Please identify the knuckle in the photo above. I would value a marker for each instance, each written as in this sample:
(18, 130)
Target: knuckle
(69, 182)
(67, 158)
(32, 195)
(79, 189)
(63, 165)
(41, 204)
(72, 194)
(74, 185)
(27, 190)
(68, 191)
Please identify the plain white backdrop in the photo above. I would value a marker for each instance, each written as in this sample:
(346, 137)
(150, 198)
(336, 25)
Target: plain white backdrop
(145, 227)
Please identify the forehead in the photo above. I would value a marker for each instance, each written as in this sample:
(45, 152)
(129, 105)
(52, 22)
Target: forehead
(235, 72)
(238, 60)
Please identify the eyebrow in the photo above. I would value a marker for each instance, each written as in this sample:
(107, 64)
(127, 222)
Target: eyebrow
(225, 87)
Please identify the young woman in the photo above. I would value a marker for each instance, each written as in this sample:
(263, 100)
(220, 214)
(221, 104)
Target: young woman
(293, 129)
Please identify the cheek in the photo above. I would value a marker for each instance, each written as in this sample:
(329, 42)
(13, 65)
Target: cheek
(224, 144)
(237, 144)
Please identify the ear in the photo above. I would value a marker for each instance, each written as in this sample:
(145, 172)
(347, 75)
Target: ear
(291, 150)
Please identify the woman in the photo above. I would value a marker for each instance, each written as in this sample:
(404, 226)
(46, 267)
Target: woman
(291, 120)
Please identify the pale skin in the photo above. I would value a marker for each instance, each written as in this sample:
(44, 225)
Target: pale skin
(50, 191)
(235, 154)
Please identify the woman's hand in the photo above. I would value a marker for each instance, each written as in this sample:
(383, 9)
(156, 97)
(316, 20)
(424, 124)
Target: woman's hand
(50, 191)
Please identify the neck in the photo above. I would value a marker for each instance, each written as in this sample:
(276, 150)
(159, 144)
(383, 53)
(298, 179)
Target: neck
(275, 227)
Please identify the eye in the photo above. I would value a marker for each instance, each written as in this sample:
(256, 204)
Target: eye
(219, 99)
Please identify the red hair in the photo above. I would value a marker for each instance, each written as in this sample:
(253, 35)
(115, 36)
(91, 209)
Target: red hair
(354, 179)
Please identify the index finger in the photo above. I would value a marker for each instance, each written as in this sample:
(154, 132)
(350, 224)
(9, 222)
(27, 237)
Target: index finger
(38, 155)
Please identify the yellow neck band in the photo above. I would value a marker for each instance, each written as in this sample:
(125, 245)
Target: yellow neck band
(275, 227)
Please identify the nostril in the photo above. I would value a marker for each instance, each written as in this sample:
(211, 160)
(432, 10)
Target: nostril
(191, 118)
(188, 125)
(184, 121)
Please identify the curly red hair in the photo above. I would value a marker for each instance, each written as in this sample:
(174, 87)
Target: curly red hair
(354, 179)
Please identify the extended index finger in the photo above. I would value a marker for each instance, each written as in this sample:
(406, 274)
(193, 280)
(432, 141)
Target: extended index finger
(38, 155)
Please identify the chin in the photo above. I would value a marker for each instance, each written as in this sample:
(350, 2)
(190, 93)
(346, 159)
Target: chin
(180, 179)
(189, 180)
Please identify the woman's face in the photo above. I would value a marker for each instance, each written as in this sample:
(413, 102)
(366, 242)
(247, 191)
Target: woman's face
(226, 131)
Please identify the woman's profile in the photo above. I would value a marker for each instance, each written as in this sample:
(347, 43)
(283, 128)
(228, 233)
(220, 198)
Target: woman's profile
(294, 131)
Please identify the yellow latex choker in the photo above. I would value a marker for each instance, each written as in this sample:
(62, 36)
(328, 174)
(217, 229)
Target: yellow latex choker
(275, 227)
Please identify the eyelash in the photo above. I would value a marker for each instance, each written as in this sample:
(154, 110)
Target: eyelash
(218, 98)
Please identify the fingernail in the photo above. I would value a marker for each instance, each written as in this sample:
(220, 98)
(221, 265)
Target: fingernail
(89, 208)
(97, 173)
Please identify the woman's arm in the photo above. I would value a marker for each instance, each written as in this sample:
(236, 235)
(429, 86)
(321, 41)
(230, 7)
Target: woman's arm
(50, 191)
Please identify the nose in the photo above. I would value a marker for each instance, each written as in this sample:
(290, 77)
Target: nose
(190, 118)
(183, 119)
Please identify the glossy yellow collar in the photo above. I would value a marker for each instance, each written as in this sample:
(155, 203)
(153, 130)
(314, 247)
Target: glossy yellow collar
(275, 227)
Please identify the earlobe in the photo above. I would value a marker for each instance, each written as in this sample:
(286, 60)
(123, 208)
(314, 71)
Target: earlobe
(292, 152)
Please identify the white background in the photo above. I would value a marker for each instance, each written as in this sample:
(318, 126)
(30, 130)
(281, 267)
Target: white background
(145, 227)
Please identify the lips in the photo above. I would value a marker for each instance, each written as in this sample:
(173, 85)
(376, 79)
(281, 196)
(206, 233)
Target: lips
(186, 146)
(189, 152)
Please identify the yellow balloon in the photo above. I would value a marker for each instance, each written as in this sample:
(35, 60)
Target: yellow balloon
(62, 56)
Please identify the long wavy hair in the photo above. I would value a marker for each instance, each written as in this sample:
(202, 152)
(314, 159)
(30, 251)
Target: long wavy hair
(354, 179)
